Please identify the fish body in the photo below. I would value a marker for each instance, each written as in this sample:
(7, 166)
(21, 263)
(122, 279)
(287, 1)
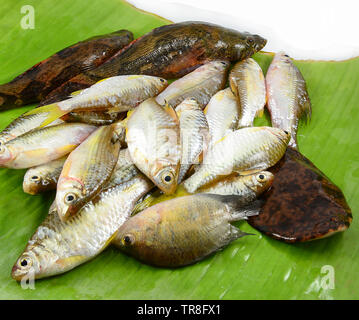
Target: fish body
(247, 83)
(117, 94)
(24, 124)
(153, 139)
(170, 51)
(44, 145)
(222, 113)
(244, 151)
(201, 84)
(287, 95)
(58, 246)
(37, 82)
(193, 133)
(43, 177)
(182, 231)
(86, 170)
(124, 170)
(247, 188)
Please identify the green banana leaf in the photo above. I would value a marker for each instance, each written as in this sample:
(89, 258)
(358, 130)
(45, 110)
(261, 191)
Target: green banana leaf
(254, 267)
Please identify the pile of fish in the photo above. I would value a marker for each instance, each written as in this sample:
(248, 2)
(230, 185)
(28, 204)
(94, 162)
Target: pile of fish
(159, 170)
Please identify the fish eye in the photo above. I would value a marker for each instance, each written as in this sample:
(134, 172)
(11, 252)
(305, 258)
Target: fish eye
(25, 262)
(162, 80)
(128, 239)
(223, 63)
(261, 177)
(286, 55)
(35, 178)
(167, 177)
(250, 41)
(70, 197)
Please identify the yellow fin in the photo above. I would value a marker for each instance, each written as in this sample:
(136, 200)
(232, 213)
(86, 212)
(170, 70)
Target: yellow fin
(53, 112)
(75, 93)
(102, 80)
(171, 112)
(260, 113)
(248, 172)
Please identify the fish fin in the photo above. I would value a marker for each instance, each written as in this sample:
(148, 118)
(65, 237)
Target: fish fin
(237, 206)
(260, 113)
(102, 80)
(248, 172)
(171, 112)
(53, 112)
(304, 102)
(237, 233)
(129, 113)
(242, 212)
(75, 93)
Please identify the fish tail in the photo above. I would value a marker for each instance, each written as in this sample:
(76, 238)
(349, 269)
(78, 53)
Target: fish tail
(53, 112)
(260, 113)
(237, 233)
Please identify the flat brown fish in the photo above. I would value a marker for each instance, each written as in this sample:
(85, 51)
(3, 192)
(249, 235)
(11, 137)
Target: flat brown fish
(303, 204)
(170, 51)
(35, 83)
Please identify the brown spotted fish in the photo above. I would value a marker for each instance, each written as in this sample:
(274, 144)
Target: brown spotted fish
(34, 84)
(170, 51)
(183, 230)
(303, 204)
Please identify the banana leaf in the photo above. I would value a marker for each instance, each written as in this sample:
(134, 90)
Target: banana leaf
(255, 267)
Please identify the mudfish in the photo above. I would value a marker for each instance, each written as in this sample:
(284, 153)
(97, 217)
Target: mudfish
(170, 51)
(287, 95)
(194, 134)
(153, 139)
(43, 177)
(201, 84)
(222, 113)
(115, 94)
(303, 204)
(34, 84)
(245, 151)
(247, 83)
(44, 145)
(57, 246)
(86, 170)
(182, 231)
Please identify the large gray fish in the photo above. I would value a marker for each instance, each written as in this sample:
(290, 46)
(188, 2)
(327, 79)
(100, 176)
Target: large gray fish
(183, 230)
(287, 95)
(57, 246)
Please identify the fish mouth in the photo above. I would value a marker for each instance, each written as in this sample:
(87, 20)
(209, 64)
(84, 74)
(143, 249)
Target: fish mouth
(16, 274)
(259, 42)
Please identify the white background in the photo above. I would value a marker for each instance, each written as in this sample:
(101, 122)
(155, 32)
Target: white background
(304, 29)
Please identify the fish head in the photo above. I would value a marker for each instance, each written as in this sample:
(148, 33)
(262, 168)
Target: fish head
(34, 263)
(69, 197)
(260, 182)
(33, 181)
(7, 154)
(166, 178)
(248, 44)
(282, 135)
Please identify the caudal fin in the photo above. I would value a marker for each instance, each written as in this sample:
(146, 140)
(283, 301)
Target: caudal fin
(52, 112)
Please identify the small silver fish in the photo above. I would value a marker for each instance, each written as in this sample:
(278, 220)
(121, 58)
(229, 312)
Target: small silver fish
(247, 82)
(288, 99)
(201, 84)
